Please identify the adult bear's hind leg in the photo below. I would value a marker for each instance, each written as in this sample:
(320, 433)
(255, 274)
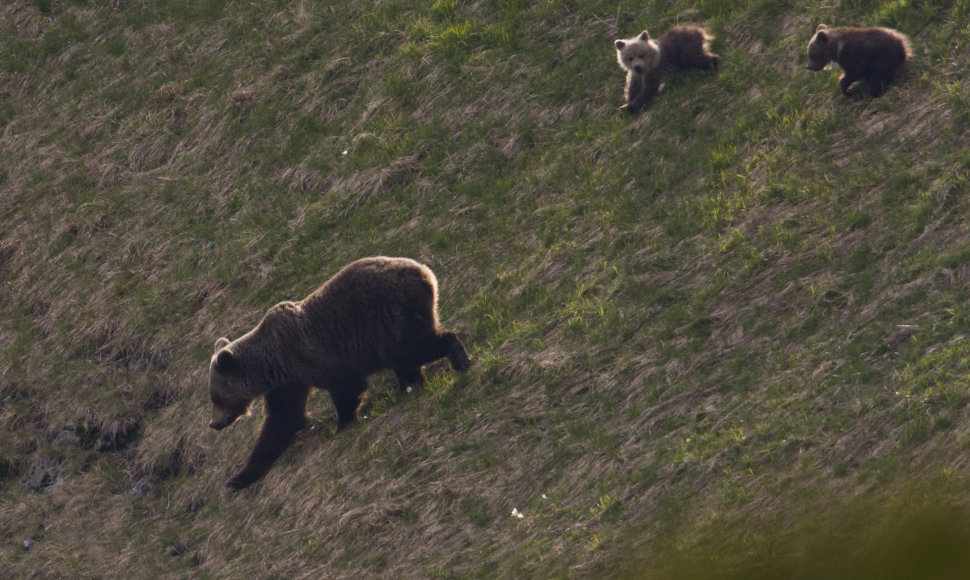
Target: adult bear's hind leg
(457, 354)
(431, 346)
(409, 376)
(347, 395)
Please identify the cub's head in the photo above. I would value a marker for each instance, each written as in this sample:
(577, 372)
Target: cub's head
(226, 387)
(819, 49)
(639, 54)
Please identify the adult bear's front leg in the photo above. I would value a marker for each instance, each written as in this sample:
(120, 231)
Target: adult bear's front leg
(285, 416)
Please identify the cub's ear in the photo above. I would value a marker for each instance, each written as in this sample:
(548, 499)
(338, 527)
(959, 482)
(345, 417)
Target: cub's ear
(221, 344)
(644, 35)
(619, 44)
(225, 361)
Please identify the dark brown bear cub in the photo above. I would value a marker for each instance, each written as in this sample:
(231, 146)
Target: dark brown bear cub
(647, 61)
(873, 55)
(376, 313)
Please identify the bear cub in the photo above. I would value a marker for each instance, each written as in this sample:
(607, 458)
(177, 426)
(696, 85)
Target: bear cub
(874, 55)
(647, 61)
(374, 314)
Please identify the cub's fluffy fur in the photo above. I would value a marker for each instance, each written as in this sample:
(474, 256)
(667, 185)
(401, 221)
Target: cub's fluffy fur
(647, 61)
(376, 313)
(874, 55)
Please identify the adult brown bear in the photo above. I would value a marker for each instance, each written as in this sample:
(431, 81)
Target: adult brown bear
(376, 313)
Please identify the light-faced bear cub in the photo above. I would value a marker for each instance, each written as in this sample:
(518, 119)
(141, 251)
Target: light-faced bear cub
(647, 61)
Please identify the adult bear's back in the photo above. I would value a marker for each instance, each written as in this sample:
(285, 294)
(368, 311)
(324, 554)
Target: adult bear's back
(369, 306)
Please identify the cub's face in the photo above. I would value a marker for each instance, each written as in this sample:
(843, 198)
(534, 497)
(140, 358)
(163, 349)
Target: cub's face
(819, 54)
(224, 390)
(637, 55)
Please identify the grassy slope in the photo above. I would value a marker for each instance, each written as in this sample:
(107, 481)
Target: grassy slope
(689, 327)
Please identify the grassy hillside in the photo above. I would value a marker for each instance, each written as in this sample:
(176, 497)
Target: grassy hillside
(726, 337)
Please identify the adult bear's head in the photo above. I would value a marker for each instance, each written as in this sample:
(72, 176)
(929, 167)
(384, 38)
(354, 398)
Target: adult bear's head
(227, 387)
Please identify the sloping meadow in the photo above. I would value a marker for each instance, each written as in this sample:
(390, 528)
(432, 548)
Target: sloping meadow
(724, 336)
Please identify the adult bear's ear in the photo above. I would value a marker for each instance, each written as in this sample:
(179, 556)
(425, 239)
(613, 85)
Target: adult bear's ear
(225, 361)
(221, 344)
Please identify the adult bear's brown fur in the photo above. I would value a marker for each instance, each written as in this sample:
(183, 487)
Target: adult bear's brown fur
(647, 61)
(376, 313)
(874, 55)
